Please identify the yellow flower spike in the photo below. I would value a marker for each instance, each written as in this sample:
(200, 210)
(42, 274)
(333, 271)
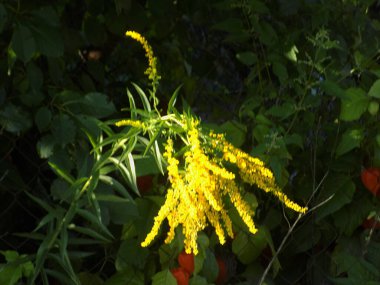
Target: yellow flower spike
(151, 71)
(131, 123)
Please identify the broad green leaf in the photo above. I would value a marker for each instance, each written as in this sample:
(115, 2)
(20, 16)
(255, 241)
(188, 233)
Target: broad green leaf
(146, 165)
(43, 118)
(63, 129)
(234, 131)
(248, 247)
(338, 190)
(247, 58)
(355, 267)
(128, 276)
(32, 98)
(282, 111)
(14, 119)
(164, 278)
(333, 89)
(131, 253)
(45, 146)
(210, 268)
(35, 76)
(121, 213)
(10, 275)
(294, 139)
(280, 71)
(198, 280)
(44, 27)
(352, 215)
(350, 139)
(354, 105)
(23, 43)
(87, 278)
(97, 105)
(374, 91)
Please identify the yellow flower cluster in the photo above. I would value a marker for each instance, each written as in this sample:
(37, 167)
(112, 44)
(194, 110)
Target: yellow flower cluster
(253, 171)
(195, 198)
(131, 123)
(151, 71)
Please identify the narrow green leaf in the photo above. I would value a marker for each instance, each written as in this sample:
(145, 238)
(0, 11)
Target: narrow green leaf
(173, 100)
(40, 202)
(95, 220)
(132, 105)
(143, 97)
(91, 233)
(117, 186)
(153, 138)
(62, 173)
(126, 174)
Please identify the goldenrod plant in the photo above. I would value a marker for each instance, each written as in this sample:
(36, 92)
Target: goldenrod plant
(204, 170)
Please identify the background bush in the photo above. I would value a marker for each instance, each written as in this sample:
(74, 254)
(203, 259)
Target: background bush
(295, 83)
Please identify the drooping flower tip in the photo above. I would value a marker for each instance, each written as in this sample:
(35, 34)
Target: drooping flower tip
(151, 71)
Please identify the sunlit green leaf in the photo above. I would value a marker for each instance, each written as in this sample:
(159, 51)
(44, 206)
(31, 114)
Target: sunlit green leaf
(354, 105)
(374, 91)
(350, 139)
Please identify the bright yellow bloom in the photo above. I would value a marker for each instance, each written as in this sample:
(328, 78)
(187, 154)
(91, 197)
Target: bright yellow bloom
(131, 123)
(151, 71)
(253, 171)
(195, 198)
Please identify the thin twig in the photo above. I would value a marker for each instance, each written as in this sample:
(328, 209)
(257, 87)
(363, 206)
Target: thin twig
(269, 266)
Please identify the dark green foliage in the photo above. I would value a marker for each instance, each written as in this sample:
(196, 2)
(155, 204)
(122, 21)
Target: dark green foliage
(295, 83)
